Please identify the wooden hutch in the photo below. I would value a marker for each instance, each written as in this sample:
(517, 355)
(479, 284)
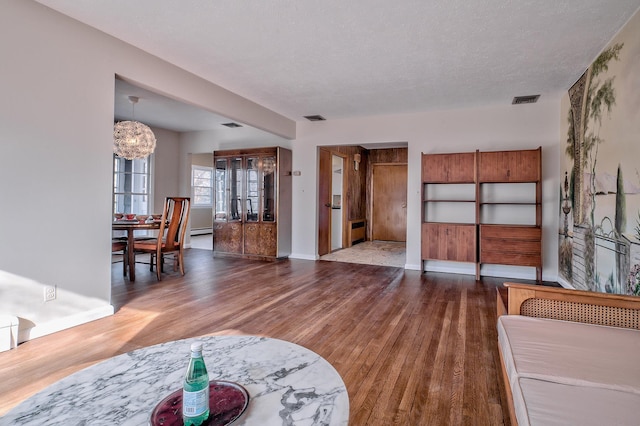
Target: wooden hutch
(252, 203)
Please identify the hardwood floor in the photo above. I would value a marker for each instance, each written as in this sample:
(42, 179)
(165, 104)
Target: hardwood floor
(412, 348)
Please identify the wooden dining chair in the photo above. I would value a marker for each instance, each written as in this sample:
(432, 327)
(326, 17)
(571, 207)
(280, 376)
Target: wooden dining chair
(120, 247)
(170, 240)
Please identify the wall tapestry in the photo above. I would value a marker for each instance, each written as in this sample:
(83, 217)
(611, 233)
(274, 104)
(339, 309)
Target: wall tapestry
(599, 235)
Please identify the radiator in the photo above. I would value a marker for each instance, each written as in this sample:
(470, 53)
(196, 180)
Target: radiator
(356, 231)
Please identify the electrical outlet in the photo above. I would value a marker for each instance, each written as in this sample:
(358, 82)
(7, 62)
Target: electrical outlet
(49, 293)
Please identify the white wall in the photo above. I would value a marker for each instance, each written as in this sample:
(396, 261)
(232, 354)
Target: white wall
(56, 135)
(201, 217)
(489, 128)
(56, 123)
(55, 153)
(165, 169)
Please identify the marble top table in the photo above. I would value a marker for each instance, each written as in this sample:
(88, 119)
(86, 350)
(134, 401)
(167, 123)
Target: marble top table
(287, 385)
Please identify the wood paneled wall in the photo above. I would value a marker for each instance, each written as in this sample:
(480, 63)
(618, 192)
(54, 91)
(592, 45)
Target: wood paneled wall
(356, 181)
(390, 155)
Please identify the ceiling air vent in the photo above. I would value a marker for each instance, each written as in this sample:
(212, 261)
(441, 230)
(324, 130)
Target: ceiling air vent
(232, 125)
(531, 99)
(314, 117)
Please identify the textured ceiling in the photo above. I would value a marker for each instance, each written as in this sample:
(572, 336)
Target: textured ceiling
(157, 110)
(354, 58)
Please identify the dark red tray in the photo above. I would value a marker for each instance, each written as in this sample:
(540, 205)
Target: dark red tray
(227, 402)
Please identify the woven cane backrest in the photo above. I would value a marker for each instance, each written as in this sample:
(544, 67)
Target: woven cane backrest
(581, 312)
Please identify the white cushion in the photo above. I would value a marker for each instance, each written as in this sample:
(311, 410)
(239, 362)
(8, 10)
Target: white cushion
(551, 404)
(546, 359)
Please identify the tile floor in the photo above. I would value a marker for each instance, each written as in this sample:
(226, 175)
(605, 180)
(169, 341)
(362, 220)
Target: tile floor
(385, 253)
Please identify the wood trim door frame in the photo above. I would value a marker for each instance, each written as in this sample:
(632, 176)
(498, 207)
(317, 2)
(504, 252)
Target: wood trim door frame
(345, 201)
(325, 180)
(324, 201)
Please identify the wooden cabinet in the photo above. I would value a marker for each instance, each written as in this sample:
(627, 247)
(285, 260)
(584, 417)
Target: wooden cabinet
(227, 237)
(483, 207)
(509, 166)
(448, 241)
(449, 168)
(260, 239)
(252, 203)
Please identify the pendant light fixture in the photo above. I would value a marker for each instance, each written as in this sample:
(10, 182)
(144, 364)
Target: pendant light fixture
(132, 139)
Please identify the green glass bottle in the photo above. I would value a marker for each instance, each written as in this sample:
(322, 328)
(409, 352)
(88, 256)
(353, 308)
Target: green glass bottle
(195, 390)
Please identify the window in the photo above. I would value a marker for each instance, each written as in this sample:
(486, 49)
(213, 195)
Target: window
(202, 186)
(131, 185)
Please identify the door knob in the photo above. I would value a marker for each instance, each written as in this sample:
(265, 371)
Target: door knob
(327, 204)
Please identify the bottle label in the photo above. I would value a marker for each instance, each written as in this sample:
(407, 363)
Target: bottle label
(195, 403)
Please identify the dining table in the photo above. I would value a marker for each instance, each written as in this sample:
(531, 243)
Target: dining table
(130, 226)
(282, 384)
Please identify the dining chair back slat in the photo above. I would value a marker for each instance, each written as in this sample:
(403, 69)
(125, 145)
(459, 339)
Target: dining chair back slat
(173, 227)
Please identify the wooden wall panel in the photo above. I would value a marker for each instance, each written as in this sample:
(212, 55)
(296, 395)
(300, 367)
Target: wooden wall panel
(390, 155)
(356, 180)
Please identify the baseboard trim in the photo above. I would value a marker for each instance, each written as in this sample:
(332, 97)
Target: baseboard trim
(64, 323)
(303, 256)
(495, 271)
(412, 267)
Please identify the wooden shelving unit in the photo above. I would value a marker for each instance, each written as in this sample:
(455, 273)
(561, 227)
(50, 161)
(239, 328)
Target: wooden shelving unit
(448, 184)
(483, 207)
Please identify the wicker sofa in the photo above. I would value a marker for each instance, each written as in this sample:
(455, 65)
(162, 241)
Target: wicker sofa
(569, 357)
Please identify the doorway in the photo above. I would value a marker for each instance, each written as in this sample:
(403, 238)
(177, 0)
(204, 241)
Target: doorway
(331, 206)
(202, 180)
(337, 182)
(360, 184)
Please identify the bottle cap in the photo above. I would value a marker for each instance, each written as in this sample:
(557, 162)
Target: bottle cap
(196, 347)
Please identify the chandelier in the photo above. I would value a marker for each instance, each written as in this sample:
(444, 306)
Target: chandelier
(132, 139)
(268, 165)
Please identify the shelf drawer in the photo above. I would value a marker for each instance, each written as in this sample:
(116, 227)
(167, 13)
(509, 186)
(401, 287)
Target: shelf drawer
(510, 258)
(498, 245)
(511, 245)
(507, 232)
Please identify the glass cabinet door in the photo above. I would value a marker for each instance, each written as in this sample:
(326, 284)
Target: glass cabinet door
(253, 190)
(248, 202)
(269, 189)
(220, 188)
(235, 189)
